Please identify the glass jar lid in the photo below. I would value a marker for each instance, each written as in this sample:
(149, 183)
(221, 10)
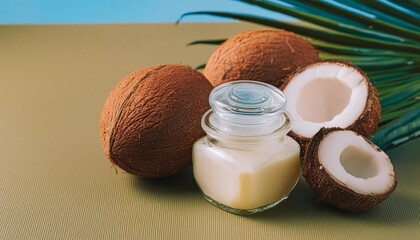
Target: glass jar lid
(247, 102)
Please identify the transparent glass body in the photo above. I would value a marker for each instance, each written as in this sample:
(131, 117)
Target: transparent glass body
(246, 163)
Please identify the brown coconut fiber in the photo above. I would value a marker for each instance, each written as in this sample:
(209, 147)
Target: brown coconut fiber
(265, 55)
(151, 119)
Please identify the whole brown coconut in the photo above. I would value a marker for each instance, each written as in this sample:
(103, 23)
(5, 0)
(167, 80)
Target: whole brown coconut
(262, 55)
(151, 119)
(330, 94)
(347, 171)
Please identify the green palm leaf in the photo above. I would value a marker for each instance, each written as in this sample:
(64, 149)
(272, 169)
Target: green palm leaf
(365, 15)
(380, 37)
(325, 21)
(388, 8)
(321, 34)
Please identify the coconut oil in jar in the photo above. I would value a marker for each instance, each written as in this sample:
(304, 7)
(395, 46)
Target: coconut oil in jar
(246, 163)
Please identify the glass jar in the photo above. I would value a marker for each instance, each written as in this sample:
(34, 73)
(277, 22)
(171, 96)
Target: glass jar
(246, 163)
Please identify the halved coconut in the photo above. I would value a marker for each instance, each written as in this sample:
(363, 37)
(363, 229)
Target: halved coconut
(347, 171)
(330, 94)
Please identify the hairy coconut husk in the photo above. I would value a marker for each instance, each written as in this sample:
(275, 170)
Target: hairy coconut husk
(265, 55)
(151, 119)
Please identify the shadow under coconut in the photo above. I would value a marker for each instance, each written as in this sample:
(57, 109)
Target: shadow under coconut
(181, 184)
(397, 209)
(303, 206)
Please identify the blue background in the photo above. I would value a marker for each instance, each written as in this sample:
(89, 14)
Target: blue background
(117, 11)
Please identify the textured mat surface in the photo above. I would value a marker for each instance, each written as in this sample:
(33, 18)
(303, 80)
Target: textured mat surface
(56, 183)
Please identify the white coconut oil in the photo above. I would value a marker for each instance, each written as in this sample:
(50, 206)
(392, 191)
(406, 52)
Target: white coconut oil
(246, 163)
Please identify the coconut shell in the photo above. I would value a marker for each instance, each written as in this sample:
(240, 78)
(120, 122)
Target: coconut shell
(263, 55)
(330, 191)
(368, 120)
(151, 119)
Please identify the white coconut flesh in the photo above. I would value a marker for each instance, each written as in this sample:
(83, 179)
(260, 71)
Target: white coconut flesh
(355, 163)
(325, 95)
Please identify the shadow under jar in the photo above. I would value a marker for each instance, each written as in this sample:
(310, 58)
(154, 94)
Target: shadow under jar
(246, 163)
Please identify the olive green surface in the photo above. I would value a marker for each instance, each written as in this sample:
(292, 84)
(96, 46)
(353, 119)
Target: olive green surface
(56, 183)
